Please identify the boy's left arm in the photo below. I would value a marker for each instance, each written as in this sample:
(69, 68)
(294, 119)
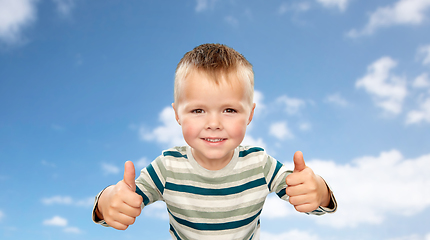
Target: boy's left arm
(307, 191)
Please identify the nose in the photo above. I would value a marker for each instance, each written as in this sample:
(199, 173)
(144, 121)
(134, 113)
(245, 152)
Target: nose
(213, 122)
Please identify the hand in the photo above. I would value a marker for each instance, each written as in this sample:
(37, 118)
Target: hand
(119, 205)
(306, 190)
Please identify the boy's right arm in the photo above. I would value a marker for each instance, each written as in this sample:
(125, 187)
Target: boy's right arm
(119, 204)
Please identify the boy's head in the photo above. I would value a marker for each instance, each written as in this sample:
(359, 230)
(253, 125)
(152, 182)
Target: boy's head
(213, 102)
(217, 61)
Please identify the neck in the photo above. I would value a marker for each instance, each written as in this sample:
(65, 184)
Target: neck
(212, 164)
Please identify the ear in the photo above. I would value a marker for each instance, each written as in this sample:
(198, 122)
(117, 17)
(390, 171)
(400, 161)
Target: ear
(251, 115)
(176, 113)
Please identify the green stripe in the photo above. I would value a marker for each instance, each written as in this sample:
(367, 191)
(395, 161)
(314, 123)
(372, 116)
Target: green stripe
(145, 198)
(281, 193)
(215, 226)
(172, 229)
(278, 166)
(251, 150)
(174, 154)
(215, 192)
(155, 178)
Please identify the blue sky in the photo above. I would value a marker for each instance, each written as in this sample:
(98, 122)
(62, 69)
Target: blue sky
(87, 85)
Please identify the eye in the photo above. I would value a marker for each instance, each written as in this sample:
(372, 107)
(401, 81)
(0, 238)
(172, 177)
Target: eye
(197, 111)
(230, 110)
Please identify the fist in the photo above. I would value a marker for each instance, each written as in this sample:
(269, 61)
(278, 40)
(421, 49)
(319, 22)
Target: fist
(119, 205)
(306, 190)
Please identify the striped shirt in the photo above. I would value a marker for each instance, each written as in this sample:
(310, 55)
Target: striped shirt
(222, 204)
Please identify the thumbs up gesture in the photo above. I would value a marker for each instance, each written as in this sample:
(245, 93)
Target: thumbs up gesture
(119, 205)
(306, 190)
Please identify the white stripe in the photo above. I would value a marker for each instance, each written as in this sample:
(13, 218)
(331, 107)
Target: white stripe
(188, 201)
(217, 220)
(175, 164)
(248, 161)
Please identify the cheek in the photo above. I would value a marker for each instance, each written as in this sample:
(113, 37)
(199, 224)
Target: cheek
(238, 128)
(189, 129)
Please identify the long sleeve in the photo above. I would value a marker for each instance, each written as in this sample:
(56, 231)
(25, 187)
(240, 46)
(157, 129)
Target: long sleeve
(276, 174)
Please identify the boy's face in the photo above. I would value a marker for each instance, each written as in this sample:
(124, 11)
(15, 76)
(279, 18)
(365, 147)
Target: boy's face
(213, 117)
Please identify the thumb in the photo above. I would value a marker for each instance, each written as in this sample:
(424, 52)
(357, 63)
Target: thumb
(129, 175)
(299, 162)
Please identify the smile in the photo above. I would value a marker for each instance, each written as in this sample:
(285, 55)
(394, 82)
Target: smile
(213, 139)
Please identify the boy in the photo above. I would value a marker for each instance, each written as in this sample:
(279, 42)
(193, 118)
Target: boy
(214, 188)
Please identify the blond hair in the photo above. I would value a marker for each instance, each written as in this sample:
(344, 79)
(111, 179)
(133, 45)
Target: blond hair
(216, 60)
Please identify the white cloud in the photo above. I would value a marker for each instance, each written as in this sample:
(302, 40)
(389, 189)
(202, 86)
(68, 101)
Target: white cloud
(67, 200)
(424, 53)
(422, 81)
(86, 202)
(292, 105)
(388, 91)
(260, 107)
(370, 189)
(64, 7)
(276, 208)
(61, 222)
(403, 12)
(74, 230)
(1, 215)
(110, 169)
(280, 130)
(15, 15)
(156, 210)
(340, 4)
(336, 99)
(422, 112)
(412, 237)
(56, 221)
(293, 234)
(420, 115)
(169, 133)
(249, 140)
(258, 100)
(141, 163)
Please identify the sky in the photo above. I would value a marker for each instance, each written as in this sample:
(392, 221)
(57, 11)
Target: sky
(88, 85)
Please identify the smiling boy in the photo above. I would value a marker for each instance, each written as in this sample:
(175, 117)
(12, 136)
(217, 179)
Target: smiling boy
(213, 188)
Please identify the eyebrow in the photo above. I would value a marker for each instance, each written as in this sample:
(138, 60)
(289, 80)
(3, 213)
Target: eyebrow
(235, 105)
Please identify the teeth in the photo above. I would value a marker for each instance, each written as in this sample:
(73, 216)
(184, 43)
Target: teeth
(213, 140)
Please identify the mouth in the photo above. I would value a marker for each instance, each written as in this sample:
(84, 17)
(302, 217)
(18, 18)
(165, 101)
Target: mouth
(214, 140)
